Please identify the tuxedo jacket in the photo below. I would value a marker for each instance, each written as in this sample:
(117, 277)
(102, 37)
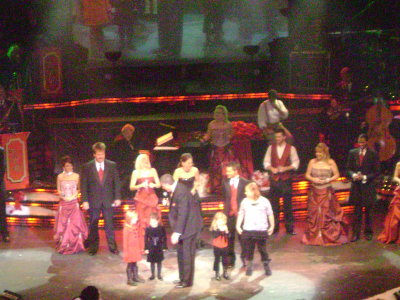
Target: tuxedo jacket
(226, 192)
(363, 193)
(185, 212)
(100, 193)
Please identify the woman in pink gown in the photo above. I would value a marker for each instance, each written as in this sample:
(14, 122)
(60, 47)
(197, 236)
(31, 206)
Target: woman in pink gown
(144, 180)
(391, 231)
(70, 226)
(325, 221)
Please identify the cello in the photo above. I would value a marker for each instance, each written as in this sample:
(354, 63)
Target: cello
(378, 118)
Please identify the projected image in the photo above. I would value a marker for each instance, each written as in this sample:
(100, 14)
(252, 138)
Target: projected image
(177, 29)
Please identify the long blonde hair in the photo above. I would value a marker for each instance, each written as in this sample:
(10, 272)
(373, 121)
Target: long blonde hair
(218, 216)
(139, 161)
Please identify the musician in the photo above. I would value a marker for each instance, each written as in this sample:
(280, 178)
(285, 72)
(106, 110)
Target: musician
(281, 160)
(362, 168)
(271, 113)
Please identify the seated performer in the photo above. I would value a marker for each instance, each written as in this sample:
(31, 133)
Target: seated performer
(325, 216)
(271, 113)
(391, 231)
(281, 160)
(362, 168)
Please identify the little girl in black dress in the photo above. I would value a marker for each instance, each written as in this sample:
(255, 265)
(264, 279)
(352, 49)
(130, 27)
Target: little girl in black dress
(155, 245)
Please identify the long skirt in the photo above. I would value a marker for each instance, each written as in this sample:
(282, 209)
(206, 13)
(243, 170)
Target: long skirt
(391, 231)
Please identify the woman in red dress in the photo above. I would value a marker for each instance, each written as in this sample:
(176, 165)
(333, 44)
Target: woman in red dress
(325, 221)
(144, 180)
(219, 133)
(391, 231)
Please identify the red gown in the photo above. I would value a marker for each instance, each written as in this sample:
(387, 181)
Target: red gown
(131, 243)
(391, 231)
(146, 202)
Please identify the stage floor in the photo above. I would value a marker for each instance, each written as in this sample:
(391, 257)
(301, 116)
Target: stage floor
(30, 267)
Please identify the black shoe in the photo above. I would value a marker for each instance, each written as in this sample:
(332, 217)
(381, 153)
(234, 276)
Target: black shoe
(355, 238)
(249, 270)
(159, 277)
(244, 264)
(177, 282)
(267, 269)
(217, 276)
(92, 252)
(114, 251)
(182, 285)
(152, 277)
(225, 275)
(368, 236)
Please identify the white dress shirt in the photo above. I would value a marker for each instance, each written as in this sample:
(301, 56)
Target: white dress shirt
(234, 181)
(268, 114)
(99, 165)
(294, 158)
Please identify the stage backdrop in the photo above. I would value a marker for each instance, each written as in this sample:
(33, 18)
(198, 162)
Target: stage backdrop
(15, 150)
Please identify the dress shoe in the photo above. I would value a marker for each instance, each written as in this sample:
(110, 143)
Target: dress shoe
(182, 285)
(92, 252)
(114, 251)
(368, 236)
(160, 277)
(152, 277)
(177, 282)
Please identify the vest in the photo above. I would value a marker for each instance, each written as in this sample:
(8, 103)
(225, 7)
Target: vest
(284, 161)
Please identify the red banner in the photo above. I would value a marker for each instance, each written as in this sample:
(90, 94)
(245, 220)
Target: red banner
(16, 155)
(50, 67)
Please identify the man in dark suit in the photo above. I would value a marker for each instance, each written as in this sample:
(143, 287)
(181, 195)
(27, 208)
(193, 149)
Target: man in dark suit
(186, 223)
(100, 188)
(3, 221)
(362, 167)
(233, 193)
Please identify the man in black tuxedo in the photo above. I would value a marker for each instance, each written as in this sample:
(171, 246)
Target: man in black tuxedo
(3, 221)
(233, 193)
(362, 167)
(100, 188)
(186, 223)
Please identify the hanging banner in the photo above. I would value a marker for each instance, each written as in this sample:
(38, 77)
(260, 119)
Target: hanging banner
(16, 154)
(50, 67)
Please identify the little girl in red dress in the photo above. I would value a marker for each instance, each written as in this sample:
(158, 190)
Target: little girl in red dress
(132, 250)
(220, 233)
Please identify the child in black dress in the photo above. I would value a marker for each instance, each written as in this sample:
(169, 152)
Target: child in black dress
(155, 245)
(220, 233)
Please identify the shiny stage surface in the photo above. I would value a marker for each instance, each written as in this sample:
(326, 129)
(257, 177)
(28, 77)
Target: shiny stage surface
(359, 270)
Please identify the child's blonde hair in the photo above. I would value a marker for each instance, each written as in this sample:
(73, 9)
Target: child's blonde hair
(129, 215)
(218, 216)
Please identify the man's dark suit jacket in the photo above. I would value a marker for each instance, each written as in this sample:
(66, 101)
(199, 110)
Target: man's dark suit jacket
(226, 192)
(184, 215)
(95, 192)
(363, 193)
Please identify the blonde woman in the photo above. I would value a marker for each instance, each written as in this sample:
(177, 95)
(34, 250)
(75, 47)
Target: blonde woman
(325, 216)
(144, 180)
(219, 229)
(219, 133)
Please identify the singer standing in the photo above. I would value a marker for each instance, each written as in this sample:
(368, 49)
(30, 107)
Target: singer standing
(362, 168)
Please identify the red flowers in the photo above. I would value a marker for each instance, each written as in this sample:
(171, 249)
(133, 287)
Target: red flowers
(246, 131)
